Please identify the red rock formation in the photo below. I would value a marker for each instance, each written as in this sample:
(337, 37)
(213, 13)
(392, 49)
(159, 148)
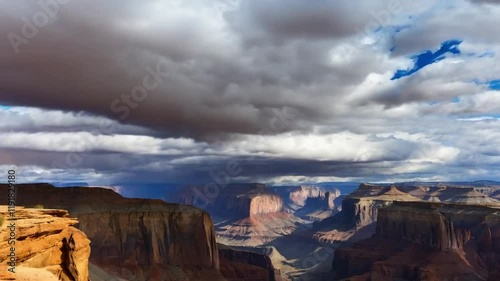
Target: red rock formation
(46, 241)
(265, 204)
(300, 195)
(427, 241)
(361, 208)
(359, 212)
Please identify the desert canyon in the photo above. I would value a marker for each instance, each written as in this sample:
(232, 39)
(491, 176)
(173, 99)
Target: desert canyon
(252, 232)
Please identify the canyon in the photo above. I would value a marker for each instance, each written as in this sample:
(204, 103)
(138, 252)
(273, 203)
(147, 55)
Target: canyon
(251, 232)
(359, 212)
(135, 239)
(275, 221)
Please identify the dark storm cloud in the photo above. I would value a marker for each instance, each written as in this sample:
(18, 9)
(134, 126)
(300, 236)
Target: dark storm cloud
(89, 61)
(262, 22)
(86, 61)
(209, 83)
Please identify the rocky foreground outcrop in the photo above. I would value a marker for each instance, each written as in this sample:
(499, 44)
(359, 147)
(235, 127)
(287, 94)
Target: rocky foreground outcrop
(47, 246)
(136, 239)
(426, 241)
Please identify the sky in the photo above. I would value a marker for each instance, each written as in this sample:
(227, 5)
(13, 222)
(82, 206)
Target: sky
(152, 92)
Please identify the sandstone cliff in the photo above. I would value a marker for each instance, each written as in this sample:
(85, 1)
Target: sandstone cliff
(312, 203)
(361, 207)
(136, 239)
(426, 241)
(47, 246)
(438, 225)
(151, 236)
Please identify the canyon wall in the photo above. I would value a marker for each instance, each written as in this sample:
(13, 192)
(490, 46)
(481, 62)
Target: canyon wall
(426, 241)
(306, 195)
(136, 239)
(360, 208)
(437, 225)
(358, 212)
(148, 236)
(47, 246)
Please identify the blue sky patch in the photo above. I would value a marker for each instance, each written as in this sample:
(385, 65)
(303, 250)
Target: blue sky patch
(428, 57)
(494, 85)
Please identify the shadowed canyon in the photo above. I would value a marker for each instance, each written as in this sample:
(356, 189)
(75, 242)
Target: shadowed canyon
(420, 231)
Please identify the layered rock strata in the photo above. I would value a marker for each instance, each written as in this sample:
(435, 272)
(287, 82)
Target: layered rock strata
(47, 246)
(136, 239)
(426, 241)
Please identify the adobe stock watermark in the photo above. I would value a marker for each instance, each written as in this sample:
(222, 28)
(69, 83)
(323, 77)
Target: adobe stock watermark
(222, 178)
(49, 9)
(122, 106)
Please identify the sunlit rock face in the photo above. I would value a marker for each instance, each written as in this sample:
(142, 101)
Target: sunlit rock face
(47, 246)
(306, 195)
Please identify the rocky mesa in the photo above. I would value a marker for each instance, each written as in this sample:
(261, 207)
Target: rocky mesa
(359, 213)
(426, 241)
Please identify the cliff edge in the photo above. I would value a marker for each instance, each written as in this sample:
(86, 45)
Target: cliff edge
(47, 246)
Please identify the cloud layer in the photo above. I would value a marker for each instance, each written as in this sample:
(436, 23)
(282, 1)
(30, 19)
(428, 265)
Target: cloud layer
(170, 91)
